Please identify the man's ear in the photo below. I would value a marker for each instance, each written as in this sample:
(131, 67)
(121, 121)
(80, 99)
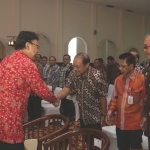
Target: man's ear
(87, 65)
(131, 65)
(27, 45)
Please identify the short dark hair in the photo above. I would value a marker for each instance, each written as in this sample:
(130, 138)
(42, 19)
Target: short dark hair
(68, 56)
(85, 58)
(24, 37)
(38, 54)
(44, 57)
(110, 58)
(101, 60)
(53, 57)
(130, 59)
(96, 59)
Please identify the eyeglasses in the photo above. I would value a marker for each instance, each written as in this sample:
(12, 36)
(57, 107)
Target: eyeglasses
(35, 45)
(121, 66)
(77, 67)
(146, 47)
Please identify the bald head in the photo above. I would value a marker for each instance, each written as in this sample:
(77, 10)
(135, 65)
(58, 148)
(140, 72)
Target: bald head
(84, 56)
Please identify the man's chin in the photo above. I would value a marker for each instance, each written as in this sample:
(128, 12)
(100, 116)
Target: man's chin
(77, 74)
(148, 57)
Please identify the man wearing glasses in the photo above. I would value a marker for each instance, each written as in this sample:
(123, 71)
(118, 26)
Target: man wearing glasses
(91, 91)
(127, 101)
(145, 122)
(18, 77)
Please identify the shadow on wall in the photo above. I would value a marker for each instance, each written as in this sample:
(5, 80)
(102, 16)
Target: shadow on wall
(2, 50)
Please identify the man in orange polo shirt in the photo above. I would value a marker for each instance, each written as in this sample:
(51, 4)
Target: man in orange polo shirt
(127, 101)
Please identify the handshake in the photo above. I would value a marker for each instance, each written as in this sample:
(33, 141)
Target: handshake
(56, 103)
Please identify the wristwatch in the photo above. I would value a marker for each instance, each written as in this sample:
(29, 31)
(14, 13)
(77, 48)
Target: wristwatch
(103, 115)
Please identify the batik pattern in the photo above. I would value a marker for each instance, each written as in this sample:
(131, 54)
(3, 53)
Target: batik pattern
(18, 76)
(88, 93)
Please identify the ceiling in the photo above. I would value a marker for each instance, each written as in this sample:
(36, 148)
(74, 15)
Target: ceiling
(136, 6)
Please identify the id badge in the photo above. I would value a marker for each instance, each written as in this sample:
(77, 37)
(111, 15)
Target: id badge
(130, 99)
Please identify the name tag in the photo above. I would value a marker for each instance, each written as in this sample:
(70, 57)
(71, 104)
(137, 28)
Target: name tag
(97, 143)
(130, 99)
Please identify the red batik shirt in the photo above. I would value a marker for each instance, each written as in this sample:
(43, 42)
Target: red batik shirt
(128, 116)
(18, 76)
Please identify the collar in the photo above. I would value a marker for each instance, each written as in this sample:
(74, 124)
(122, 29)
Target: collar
(137, 65)
(45, 65)
(88, 74)
(132, 76)
(66, 65)
(52, 66)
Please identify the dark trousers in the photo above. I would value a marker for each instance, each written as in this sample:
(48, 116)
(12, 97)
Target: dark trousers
(67, 108)
(148, 141)
(93, 126)
(8, 146)
(127, 139)
(34, 107)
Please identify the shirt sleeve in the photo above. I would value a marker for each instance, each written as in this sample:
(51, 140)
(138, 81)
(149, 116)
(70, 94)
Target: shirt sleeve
(69, 80)
(38, 86)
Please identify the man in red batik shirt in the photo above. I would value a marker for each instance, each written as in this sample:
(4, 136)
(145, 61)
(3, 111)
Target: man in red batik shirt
(18, 77)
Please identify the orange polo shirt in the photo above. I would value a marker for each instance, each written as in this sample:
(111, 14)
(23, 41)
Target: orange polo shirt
(128, 116)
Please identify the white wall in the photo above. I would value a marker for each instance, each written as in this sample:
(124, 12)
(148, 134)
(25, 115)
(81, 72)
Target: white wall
(61, 20)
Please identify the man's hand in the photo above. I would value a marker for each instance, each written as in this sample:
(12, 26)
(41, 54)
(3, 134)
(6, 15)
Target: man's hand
(110, 119)
(72, 92)
(103, 121)
(56, 103)
(143, 123)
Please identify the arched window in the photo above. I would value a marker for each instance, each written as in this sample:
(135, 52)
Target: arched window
(75, 46)
(107, 48)
(132, 49)
(45, 45)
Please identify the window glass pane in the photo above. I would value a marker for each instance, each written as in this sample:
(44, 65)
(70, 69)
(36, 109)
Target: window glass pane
(76, 45)
(72, 48)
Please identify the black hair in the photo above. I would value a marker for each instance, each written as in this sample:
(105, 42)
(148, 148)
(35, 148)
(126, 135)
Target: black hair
(96, 59)
(44, 57)
(110, 58)
(23, 38)
(130, 59)
(101, 60)
(53, 57)
(68, 56)
(39, 55)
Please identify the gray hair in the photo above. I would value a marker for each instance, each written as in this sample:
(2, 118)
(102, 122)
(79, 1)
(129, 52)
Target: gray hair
(85, 58)
(147, 35)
